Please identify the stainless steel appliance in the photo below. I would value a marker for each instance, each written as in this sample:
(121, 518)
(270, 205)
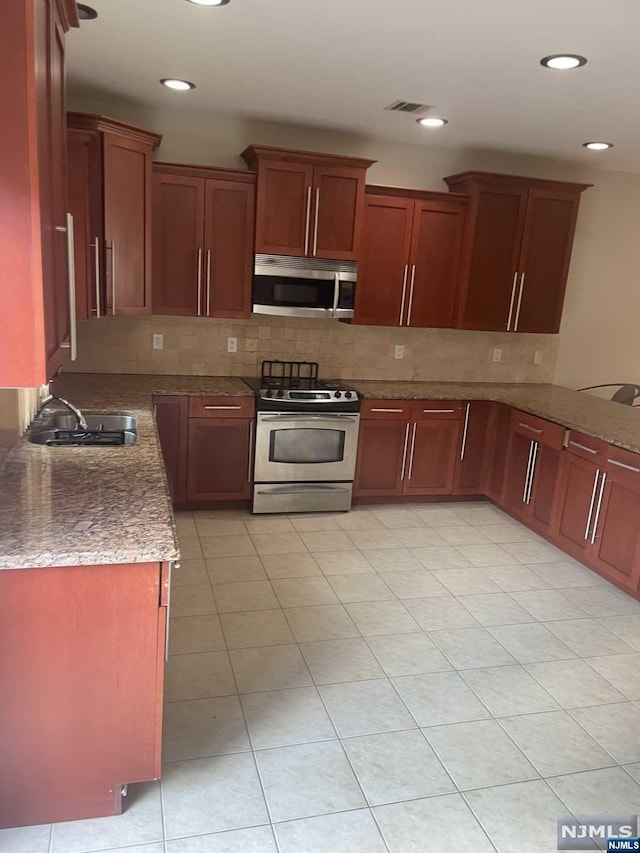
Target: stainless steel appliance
(306, 440)
(304, 287)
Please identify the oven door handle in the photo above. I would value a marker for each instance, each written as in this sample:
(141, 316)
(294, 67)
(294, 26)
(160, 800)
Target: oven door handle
(298, 418)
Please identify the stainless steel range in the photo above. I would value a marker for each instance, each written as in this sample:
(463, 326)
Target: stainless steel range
(306, 440)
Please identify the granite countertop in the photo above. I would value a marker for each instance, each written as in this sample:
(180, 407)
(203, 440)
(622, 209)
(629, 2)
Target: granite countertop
(97, 505)
(612, 422)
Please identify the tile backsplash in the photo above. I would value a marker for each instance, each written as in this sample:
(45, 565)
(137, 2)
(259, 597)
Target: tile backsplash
(195, 345)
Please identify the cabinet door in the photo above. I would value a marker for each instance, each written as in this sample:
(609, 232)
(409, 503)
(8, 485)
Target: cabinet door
(172, 422)
(338, 201)
(383, 268)
(472, 466)
(495, 238)
(433, 451)
(382, 451)
(616, 552)
(576, 495)
(283, 209)
(519, 456)
(435, 263)
(498, 440)
(127, 222)
(219, 459)
(544, 261)
(544, 487)
(178, 235)
(228, 243)
(84, 183)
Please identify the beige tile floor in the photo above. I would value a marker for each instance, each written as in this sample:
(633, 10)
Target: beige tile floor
(410, 679)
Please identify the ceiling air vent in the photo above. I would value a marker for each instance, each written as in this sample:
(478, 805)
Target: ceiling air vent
(407, 107)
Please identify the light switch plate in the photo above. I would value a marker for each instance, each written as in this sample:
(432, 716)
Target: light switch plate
(158, 341)
(497, 355)
(232, 345)
(399, 351)
(537, 357)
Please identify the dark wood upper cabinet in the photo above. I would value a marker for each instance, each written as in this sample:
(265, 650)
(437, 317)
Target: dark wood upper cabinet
(409, 259)
(123, 262)
(34, 268)
(308, 204)
(517, 248)
(203, 223)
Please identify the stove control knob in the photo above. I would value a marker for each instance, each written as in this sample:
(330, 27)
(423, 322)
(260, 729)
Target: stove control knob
(337, 394)
(348, 395)
(280, 392)
(268, 393)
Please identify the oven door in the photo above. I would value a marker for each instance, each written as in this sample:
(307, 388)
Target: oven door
(305, 447)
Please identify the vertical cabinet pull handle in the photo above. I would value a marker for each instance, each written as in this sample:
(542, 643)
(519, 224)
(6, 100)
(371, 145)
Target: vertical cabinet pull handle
(208, 282)
(306, 222)
(517, 320)
(410, 305)
(249, 472)
(71, 262)
(112, 249)
(513, 296)
(533, 470)
(465, 429)
(315, 226)
(404, 452)
(525, 491)
(596, 518)
(413, 445)
(404, 292)
(593, 500)
(96, 246)
(199, 282)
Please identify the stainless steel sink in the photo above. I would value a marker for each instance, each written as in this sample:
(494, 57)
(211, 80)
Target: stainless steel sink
(102, 431)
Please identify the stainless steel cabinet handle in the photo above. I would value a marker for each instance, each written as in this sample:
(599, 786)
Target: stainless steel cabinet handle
(525, 491)
(225, 408)
(173, 565)
(413, 276)
(404, 291)
(306, 222)
(593, 500)
(513, 296)
(582, 447)
(413, 446)
(623, 465)
(404, 452)
(96, 247)
(250, 470)
(199, 282)
(315, 227)
(598, 508)
(517, 320)
(533, 471)
(208, 281)
(387, 410)
(112, 249)
(72, 343)
(465, 428)
(530, 428)
(438, 411)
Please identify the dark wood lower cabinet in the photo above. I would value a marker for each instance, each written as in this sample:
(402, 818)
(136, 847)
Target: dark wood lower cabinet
(218, 467)
(498, 438)
(616, 528)
(82, 680)
(172, 421)
(381, 450)
(432, 457)
(576, 495)
(472, 467)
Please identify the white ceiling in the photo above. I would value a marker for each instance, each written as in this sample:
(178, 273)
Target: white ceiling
(338, 63)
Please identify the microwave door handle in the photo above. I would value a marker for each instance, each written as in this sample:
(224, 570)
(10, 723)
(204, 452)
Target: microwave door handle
(336, 294)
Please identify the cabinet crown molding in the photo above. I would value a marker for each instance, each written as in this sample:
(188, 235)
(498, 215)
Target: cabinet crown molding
(104, 124)
(208, 172)
(253, 153)
(462, 181)
(68, 12)
(410, 192)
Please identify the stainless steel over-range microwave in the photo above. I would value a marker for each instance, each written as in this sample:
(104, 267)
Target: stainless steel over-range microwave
(304, 287)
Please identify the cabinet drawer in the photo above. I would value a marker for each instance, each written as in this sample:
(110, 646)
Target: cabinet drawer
(384, 409)
(545, 432)
(587, 447)
(423, 410)
(623, 465)
(221, 407)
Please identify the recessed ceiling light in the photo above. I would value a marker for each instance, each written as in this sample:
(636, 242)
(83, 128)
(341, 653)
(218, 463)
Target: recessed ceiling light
(209, 2)
(432, 122)
(179, 85)
(86, 13)
(563, 61)
(597, 146)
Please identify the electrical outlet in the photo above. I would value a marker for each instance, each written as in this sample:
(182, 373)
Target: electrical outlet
(158, 341)
(537, 357)
(497, 355)
(399, 351)
(232, 345)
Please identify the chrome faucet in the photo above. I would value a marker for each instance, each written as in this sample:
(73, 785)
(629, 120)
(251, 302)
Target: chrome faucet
(82, 424)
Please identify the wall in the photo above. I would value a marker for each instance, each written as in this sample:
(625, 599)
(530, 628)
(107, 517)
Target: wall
(598, 338)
